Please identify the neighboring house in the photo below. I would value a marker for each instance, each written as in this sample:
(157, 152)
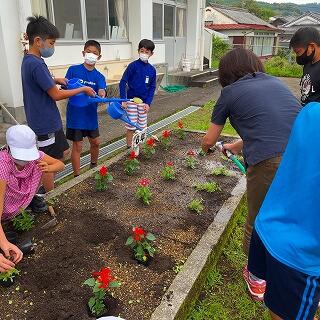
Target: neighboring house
(279, 21)
(308, 19)
(176, 27)
(243, 29)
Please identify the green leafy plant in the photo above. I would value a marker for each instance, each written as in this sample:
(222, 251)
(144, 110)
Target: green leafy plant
(141, 244)
(149, 148)
(165, 139)
(191, 161)
(168, 172)
(208, 187)
(24, 221)
(8, 276)
(179, 132)
(196, 205)
(222, 171)
(178, 266)
(52, 201)
(143, 193)
(202, 153)
(103, 178)
(100, 282)
(132, 164)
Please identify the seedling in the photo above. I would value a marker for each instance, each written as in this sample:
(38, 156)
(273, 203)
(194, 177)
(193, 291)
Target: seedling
(191, 161)
(103, 178)
(196, 205)
(208, 187)
(144, 193)
(132, 164)
(8, 277)
(149, 148)
(168, 172)
(178, 266)
(222, 171)
(24, 221)
(179, 131)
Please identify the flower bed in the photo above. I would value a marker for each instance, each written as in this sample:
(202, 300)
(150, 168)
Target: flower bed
(95, 225)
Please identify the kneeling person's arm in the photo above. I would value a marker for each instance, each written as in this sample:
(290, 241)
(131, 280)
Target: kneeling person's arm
(49, 164)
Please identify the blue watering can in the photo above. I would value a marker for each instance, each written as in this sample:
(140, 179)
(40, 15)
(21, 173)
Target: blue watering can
(82, 99)
(116, 111)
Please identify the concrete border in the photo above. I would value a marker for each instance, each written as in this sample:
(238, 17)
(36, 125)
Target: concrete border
(185, 288)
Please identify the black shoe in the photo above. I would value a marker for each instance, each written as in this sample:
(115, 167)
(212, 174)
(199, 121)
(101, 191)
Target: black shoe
(38, 204)
(41, 191)
(93, 165)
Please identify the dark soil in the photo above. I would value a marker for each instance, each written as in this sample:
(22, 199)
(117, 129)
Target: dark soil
(93, 228)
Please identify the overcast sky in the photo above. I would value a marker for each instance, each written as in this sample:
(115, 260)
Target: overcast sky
(292, 1)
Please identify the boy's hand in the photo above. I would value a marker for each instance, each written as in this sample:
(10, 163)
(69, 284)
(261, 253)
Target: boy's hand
(61, 81)
(89, 91)
(102, 93)
(146, 107)
(124, 105)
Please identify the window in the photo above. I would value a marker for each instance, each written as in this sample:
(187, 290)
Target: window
(96, 17)
(169, 21)
(181, 23)
(157, 21)
(86, 19)
(118, 19)
(67, 18)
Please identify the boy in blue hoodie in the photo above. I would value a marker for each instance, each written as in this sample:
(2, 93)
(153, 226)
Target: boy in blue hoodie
(140, 77)
(83, 121)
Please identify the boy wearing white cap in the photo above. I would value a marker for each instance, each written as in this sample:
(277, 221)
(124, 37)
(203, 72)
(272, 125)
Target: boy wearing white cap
(21, 169)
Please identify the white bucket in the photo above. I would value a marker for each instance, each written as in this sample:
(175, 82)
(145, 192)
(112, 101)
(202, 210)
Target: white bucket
(186, 65)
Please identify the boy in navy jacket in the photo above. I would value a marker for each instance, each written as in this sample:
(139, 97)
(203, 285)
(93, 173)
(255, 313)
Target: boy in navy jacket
(140, 77)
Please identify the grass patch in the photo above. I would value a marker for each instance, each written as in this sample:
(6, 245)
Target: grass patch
(281, 67)
(201, 119)
(224, 295)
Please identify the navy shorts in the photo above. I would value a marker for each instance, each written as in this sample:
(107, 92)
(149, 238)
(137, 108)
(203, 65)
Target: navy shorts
(290, 294)
(79, 134)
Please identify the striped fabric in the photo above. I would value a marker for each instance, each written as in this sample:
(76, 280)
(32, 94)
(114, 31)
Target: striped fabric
(137, 115)
(21, 186)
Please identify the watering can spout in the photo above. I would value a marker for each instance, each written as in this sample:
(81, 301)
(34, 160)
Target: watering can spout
(116, 111)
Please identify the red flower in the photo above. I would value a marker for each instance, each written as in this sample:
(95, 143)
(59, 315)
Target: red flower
(166, 133)
(170, 164)
(132, 155)
(191, 153)
(103, 277)
(103, 171)
(180, 124)
(144, 182)
(150, 142)
(138, 233)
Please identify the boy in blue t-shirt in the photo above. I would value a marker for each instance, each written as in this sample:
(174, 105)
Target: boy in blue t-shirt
(140, 77)
(83, 121)
(40, 92)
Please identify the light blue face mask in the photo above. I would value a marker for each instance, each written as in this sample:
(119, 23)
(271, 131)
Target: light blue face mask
(46, 52)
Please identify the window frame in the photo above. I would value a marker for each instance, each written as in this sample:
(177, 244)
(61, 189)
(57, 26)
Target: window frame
(83, 20)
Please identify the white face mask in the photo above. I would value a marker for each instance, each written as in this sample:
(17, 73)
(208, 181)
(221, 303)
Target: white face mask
(21, 163)
(90, 58)
(143, 56)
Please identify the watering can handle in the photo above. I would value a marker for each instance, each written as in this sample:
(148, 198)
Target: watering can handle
(98, 99)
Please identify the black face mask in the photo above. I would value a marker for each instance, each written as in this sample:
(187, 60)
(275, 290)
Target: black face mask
(304, 58)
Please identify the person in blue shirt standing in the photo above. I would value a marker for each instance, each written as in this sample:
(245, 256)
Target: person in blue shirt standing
(83, 121)
(140, 78)
(40, 92)
(285, 243)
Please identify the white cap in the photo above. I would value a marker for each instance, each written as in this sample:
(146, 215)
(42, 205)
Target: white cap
(22, 143)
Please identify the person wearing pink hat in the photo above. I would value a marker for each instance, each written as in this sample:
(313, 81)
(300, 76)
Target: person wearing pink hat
(21, 169)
